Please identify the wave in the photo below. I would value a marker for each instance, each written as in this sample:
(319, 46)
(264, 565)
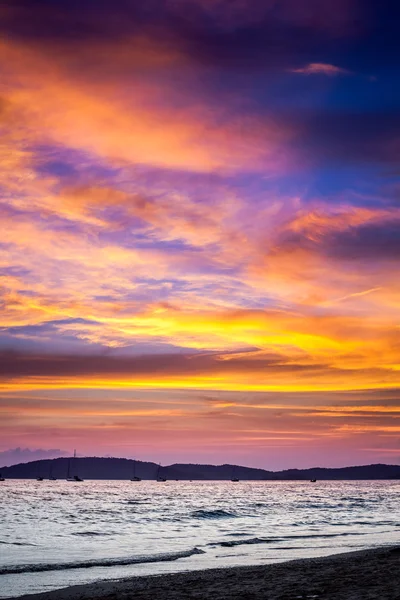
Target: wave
(232, 543)
(321, 505)
(89, 533)
(106, 562)
(212, 514)
(17, 543)
(271, 540)
(354, 499)
(321, 535)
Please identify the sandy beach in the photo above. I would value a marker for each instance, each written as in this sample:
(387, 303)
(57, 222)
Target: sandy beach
(363, 575)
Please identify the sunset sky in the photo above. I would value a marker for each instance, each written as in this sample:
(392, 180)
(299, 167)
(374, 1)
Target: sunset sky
(200, 230)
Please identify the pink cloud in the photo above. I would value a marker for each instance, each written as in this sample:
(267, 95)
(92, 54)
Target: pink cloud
(133, 122)
(321, 69)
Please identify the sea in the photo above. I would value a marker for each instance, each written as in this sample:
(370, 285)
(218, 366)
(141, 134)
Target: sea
(55, 534)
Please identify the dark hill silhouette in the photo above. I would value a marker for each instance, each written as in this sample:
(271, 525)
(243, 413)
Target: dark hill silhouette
(122, 468)
(212, 472)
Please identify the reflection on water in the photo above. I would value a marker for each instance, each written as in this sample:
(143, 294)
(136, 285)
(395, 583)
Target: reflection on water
(56, 533)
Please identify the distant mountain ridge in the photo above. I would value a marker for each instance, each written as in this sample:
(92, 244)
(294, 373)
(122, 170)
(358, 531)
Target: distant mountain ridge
(124, 469)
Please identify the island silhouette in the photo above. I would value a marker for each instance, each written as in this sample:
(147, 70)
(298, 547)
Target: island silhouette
(122, 468)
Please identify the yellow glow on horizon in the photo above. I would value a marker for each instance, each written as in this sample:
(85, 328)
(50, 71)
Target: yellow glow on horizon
(196, 383)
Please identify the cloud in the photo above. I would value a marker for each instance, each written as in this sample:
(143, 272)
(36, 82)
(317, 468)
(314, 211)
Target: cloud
(318, 352)
(321, 69)
(107, 121)
(15, 456)
(346, 235)
(105, 295)
(377, 241)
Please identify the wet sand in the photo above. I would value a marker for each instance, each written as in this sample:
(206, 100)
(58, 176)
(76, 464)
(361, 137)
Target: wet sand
(363, 575)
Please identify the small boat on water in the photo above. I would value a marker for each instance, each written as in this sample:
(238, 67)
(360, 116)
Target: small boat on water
(38, 476)
(313, 481)
(134, 476)
(234, 479)
(159, 478)
(1, 478)
(72, 478)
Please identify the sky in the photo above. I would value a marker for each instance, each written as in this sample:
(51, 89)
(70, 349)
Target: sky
(200, 230)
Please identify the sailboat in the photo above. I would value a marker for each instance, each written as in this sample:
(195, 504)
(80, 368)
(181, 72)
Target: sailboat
(73, 478)
(159, 478)
(233, 478)
(1, 478)
(134, 476)
(39, 478)
(69, 478)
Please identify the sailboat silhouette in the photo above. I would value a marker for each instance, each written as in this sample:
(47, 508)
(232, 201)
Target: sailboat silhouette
(159, 478)
(134, 476)
(39, 477)
(234, 479)
(73, 478)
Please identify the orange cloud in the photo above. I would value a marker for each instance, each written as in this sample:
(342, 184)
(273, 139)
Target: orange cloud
(138, 125)
(342, 342)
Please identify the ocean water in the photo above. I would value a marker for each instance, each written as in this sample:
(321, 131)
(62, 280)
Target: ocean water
(56, 533)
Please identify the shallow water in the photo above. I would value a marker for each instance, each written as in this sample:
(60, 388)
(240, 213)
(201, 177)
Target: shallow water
(56, 533)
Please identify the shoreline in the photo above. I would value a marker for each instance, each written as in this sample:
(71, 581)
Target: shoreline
(371, 574)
